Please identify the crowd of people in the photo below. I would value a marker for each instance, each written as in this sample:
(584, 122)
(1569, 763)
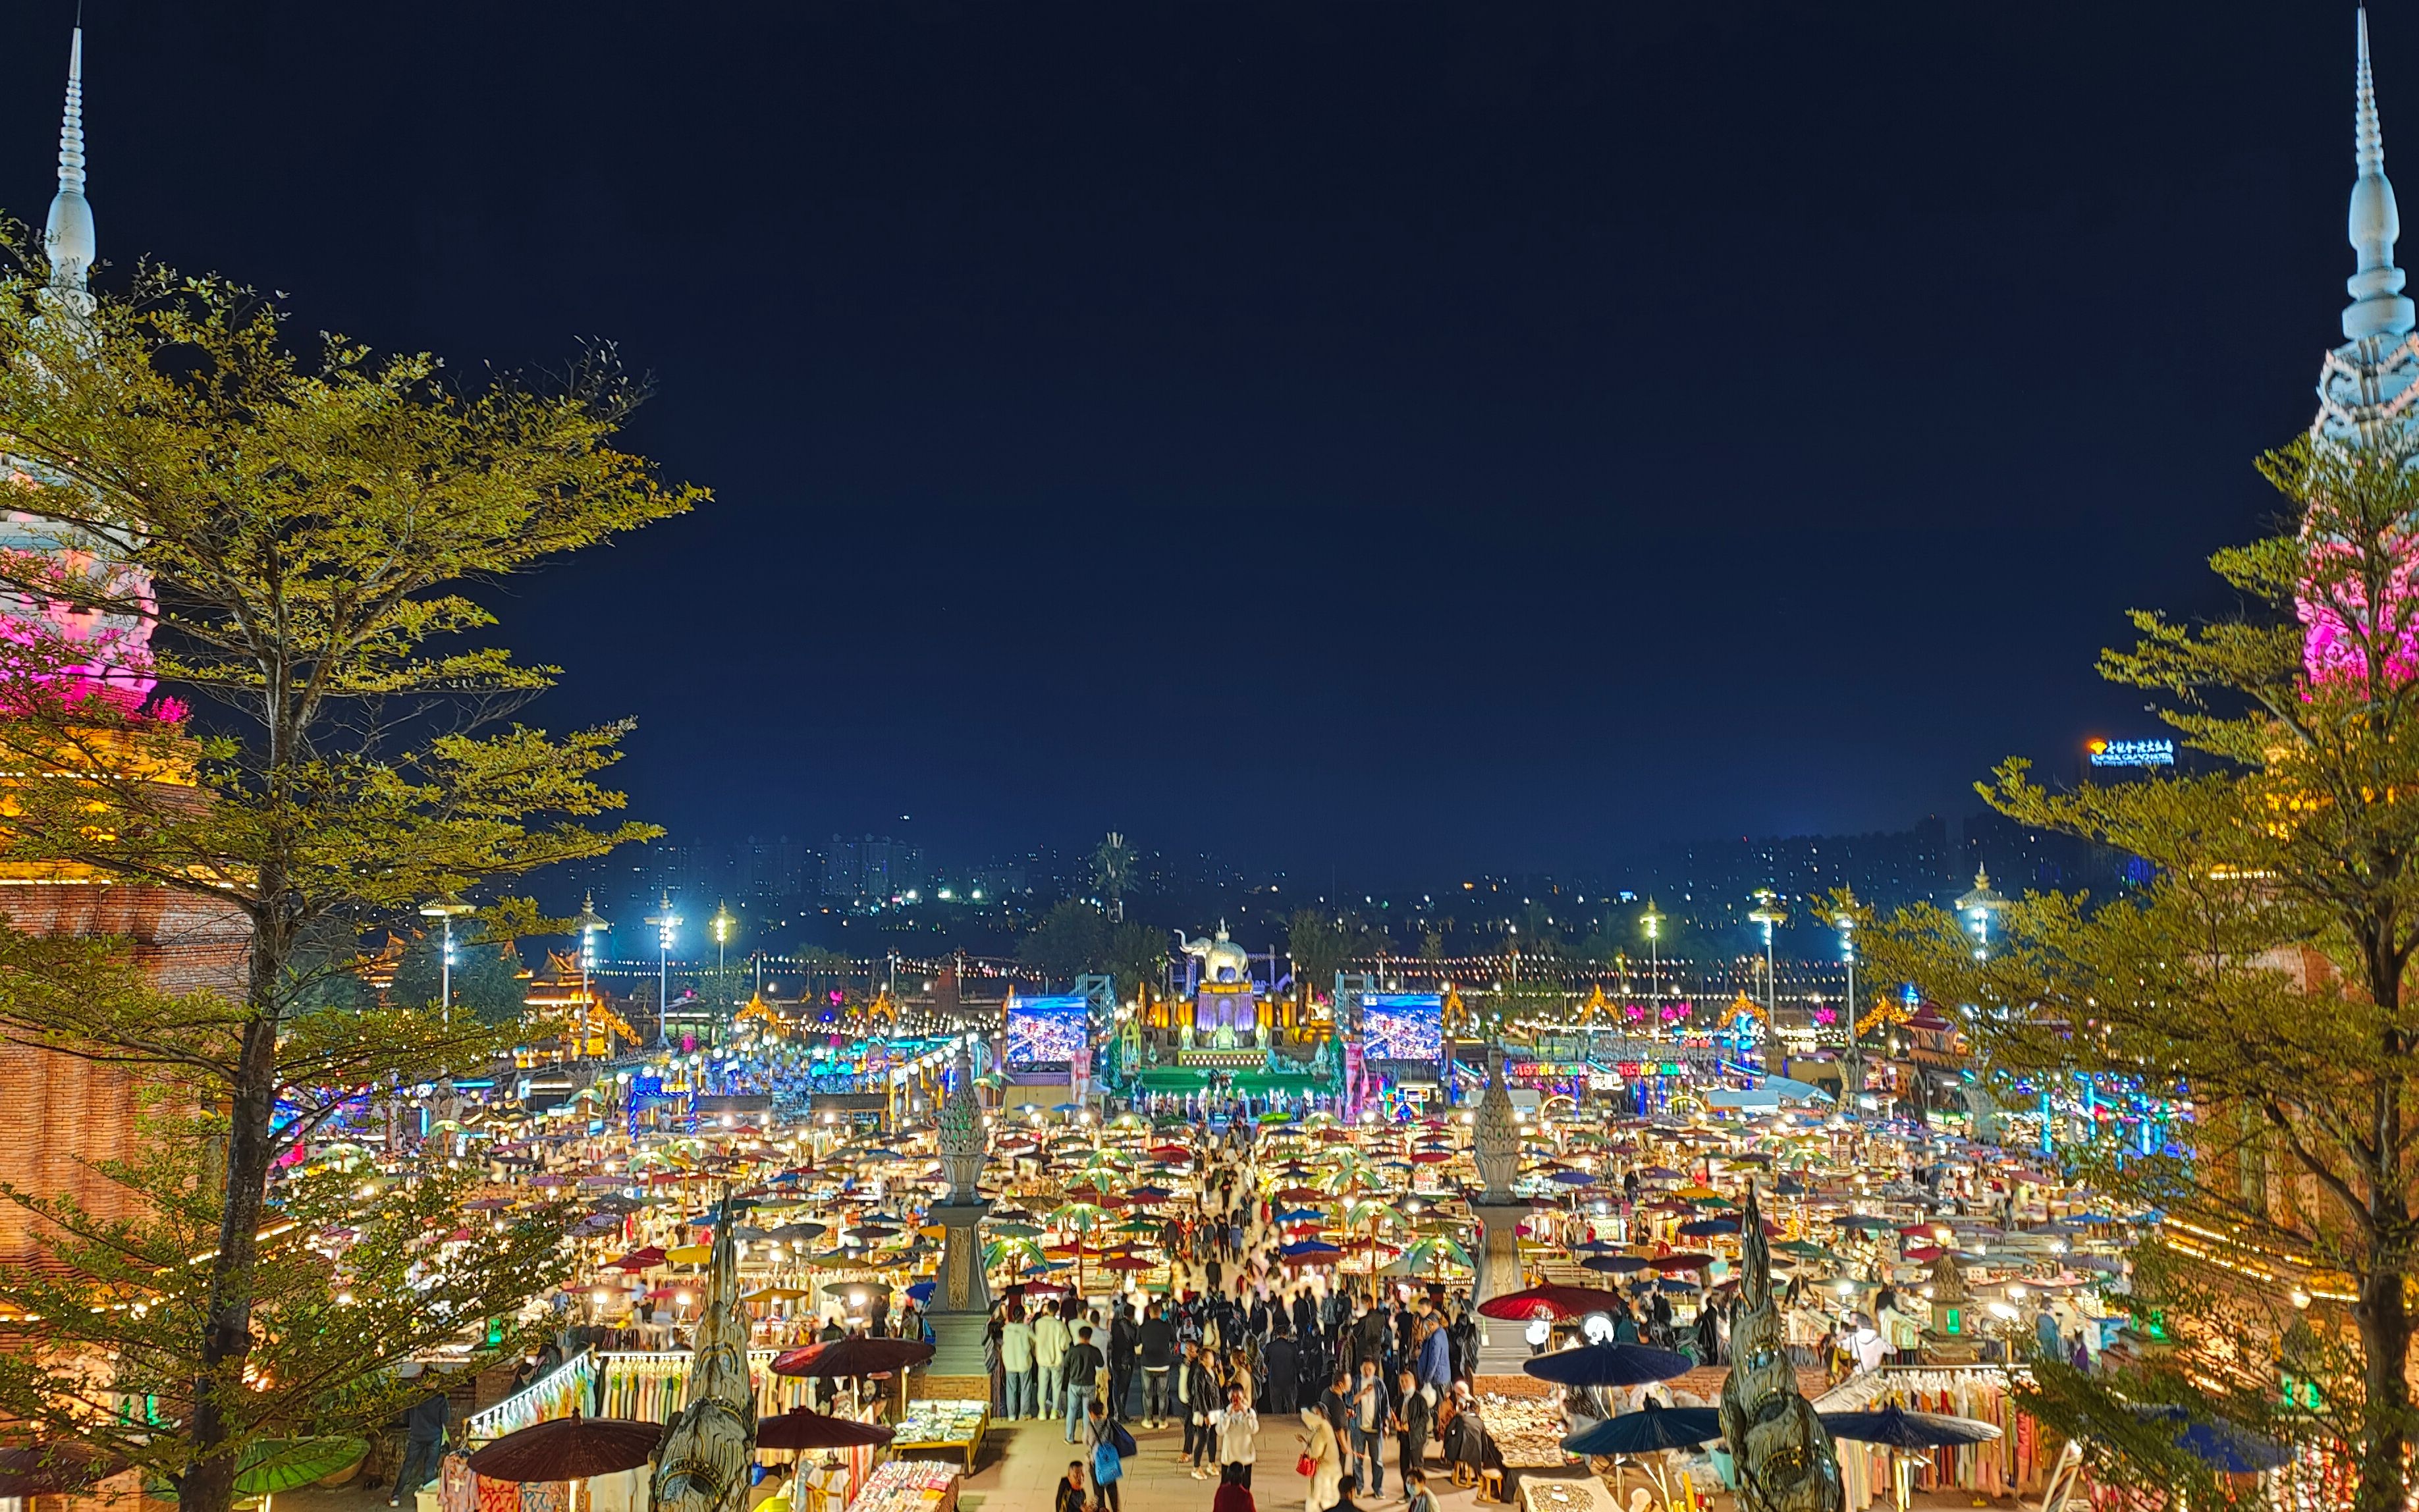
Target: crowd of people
(1373, 1372)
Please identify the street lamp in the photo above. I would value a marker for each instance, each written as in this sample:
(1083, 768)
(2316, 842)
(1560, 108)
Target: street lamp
(1769, 913)
(666, 922)
(1653, 922)
(722, 924)
(590, 924)
(447, 909)
(1853, 1068)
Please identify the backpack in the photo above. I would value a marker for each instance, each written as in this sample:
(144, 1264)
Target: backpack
(1106, 1464)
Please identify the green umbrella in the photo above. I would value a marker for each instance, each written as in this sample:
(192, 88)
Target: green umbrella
(272, 1465)
(1015, 1230)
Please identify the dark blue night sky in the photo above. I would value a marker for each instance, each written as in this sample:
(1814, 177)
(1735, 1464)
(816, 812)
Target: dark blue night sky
(1383, 436)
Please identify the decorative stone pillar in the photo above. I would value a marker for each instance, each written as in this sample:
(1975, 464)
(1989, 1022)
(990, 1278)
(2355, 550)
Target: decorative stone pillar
(961, 1297)
(1495, 1148)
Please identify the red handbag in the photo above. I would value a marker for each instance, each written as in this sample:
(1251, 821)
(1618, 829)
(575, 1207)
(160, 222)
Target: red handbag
(1305, 1466)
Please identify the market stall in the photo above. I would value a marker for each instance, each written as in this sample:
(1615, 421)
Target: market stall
(909, 1486)
(931, 1426)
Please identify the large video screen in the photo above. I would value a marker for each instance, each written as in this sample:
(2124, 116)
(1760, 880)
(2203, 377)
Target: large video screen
(1402, 1027)
(1048, 1033)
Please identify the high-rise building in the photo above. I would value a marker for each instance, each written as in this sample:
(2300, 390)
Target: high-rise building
(868, 871)
(769, 871)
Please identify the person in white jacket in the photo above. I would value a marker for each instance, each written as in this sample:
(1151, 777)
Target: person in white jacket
(1050, 1342)
(1237, 1429)
(1326, 1463)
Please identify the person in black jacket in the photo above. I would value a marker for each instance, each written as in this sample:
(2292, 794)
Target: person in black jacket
(424, 1445)
(1413, 1416)
(1155, 1342)
(1281, 1360)
(1125, 1348)
(1079, 1371)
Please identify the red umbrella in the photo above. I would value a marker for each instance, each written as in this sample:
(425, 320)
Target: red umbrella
(1681, 1262)
(1555, 1302)
(642, 1259)
(1429, 1157)
(1171, 1153)
(803, 1428)
(1125, 1262)
(1301, 1194)
(852, 1357)
(569, 1448)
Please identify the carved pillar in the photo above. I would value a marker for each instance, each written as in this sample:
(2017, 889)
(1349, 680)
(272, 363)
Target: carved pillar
(961, 1294)
(1503, 1342)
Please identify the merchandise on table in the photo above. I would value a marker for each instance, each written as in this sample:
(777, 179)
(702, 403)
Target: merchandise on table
(1528, 1429)
(908, 1486)
(929, 1421)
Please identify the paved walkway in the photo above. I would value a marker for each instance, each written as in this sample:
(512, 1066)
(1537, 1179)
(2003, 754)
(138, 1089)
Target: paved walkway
(1023, 1461)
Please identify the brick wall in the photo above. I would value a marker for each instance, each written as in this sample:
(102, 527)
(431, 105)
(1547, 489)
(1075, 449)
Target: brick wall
(67, 1113)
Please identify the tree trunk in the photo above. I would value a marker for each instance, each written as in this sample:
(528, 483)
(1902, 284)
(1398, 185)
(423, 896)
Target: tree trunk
(208, 1483)
(2385, 1346)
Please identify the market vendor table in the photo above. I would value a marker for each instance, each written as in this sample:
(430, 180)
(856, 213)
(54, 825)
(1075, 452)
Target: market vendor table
(950, 1427)
(909, 1486)
(1588, 1495)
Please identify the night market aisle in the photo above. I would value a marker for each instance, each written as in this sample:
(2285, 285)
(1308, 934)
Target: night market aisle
(1020, 1472)
(1023, 1463)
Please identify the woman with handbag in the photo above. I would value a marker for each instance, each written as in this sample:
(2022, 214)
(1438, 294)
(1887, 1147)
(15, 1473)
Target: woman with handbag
(1320, 1460)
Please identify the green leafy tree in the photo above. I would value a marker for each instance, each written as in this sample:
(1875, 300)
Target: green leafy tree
(1136, 956)
(304, 539)
(2263, 978)
(486, 977)
(1112, 872)
(1323, 943)
(1067, 941)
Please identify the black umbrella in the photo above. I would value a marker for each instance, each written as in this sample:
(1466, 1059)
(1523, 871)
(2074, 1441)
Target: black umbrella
(1609, 1364)
(803, 1428)
(2222, 1447)
(1652, 1428)
(569, 1448)
(852, 1356)
(1903, 1429)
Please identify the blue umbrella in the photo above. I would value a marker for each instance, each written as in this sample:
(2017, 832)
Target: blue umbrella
(921, 1292)
(1645, 1431)
(1707, 1227)
(1574, 1177)
(1308, 1247)
(1595, 1246)
(1302, 1215)
(1667, 1284)
(1616, 1264)
(1904, 1429)
(2222, 1447)
(1866, 1221)
(1608, 1364)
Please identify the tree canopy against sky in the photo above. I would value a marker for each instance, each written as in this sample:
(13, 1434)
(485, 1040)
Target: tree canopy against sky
(2263, 978)
(304, 539)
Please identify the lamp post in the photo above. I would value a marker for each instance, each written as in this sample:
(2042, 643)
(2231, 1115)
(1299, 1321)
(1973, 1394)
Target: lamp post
(1769, 913)
(666, 922)
(590, 924)
(1652, 923)
(1851, 1064)
(446, 910)
(722, 925)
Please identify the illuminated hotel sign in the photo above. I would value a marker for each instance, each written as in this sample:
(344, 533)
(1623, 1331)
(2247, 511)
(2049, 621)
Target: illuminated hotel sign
(2154, 752)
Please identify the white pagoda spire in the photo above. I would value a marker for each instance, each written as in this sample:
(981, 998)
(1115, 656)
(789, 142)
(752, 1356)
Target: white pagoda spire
(2378, 306)
(68, 236)
(2372, 380)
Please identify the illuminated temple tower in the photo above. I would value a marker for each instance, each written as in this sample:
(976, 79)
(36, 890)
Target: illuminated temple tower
(65, 1111)
(2366, 385)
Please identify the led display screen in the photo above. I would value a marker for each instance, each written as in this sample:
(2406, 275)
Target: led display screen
(1048, 1033)
(1402, 1027)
